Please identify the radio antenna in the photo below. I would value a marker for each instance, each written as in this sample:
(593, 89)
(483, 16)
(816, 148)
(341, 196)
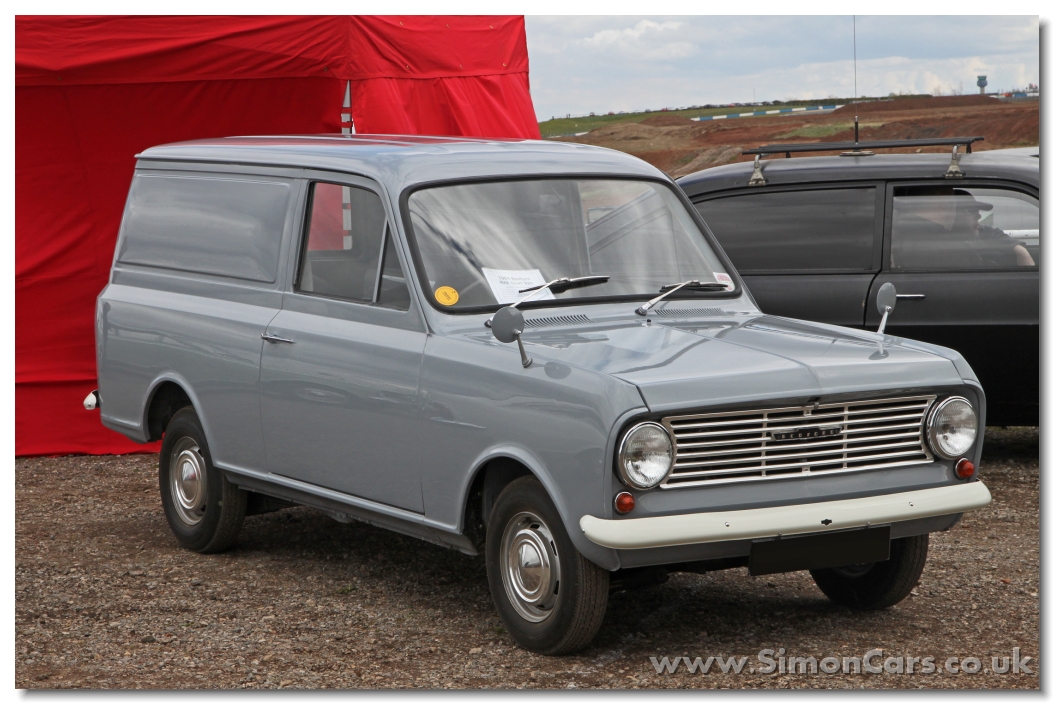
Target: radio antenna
(855, 93)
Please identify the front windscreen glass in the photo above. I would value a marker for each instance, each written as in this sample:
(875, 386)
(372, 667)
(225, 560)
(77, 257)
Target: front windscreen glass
(483, 243)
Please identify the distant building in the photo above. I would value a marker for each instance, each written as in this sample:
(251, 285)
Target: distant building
(982, 83)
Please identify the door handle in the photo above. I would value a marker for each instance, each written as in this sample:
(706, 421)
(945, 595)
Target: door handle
(270, 337)
(912, 296)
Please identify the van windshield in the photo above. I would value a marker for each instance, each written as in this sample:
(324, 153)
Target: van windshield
(482, 244)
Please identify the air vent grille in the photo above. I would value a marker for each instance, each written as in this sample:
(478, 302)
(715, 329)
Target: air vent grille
(685, 312)
(556, 320)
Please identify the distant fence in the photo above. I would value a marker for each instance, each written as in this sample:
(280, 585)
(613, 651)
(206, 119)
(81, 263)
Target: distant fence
(1014, 97)
(779, 111)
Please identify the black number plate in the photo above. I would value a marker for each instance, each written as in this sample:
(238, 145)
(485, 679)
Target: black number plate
(811, 552)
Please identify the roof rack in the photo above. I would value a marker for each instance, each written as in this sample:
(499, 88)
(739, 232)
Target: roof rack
(858, 148)
(789, 149)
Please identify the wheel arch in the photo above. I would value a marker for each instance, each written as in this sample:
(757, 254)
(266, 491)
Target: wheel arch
(167, 395)
(496, 469)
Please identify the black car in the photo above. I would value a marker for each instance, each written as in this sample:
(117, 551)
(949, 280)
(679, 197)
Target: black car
(815, 238)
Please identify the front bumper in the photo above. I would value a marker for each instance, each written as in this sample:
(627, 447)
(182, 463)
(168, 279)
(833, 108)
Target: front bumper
(718, 526)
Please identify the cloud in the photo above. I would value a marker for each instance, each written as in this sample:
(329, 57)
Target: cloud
(646, 39)
(601, 64)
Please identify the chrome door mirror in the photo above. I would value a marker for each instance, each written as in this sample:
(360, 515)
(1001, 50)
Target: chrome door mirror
(886, 301)
(507, 326)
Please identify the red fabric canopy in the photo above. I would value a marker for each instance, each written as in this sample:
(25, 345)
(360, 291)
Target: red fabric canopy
(91, 92)
(429, 75)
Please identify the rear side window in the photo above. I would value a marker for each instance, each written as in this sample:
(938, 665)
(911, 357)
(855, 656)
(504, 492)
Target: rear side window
(830, 229)
(346, 235)
(209, 225)
(964, 227)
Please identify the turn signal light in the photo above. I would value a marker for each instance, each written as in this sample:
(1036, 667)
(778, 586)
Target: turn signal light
(624, 502)
(964, 468)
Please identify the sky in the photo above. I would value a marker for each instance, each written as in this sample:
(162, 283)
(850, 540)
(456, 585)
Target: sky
(622, 63)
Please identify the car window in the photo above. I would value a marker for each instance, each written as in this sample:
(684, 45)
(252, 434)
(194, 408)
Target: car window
(964, 227)
(484, 244)
(346, 229)
(206, 224)
(829, 229)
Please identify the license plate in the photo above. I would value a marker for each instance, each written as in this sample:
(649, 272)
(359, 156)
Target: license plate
(811, 552)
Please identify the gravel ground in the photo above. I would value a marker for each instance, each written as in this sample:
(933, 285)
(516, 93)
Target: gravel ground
(106, 599)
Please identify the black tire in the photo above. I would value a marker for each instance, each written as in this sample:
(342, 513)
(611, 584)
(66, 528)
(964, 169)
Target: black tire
(880, 584)
(206, 521)
(572, 614)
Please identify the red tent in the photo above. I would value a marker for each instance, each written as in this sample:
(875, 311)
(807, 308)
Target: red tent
(91, 92)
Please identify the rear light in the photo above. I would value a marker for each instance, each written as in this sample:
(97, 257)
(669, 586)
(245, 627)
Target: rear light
(624, 502)
(964, 468)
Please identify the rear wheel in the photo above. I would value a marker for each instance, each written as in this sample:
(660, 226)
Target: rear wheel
(876, 585)
(204, 510)
(551, 599)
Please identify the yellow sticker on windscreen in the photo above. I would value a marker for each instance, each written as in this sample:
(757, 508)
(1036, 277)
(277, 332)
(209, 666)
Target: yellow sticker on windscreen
(446, 295)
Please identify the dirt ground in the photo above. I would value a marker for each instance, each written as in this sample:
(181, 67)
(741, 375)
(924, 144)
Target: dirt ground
(679, 146)
(105, 598)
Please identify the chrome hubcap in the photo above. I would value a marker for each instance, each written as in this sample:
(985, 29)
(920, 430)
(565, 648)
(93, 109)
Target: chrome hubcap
(186, 477)
(530, 567)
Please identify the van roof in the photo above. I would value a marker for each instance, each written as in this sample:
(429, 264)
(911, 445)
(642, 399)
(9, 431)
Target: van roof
(399, 161)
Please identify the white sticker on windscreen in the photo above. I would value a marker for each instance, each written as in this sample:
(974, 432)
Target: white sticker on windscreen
(724, 279)
(507, 284)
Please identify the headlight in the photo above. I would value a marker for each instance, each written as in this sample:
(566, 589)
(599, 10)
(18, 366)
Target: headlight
(952, 427)
(646, 455)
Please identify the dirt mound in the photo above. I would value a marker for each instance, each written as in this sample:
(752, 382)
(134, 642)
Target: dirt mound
(679, 146)
(900, 104)
(667, 121)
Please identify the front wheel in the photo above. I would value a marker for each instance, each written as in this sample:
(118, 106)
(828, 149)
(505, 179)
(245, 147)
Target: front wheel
(204, 510)
(876, 585)
(551, 599)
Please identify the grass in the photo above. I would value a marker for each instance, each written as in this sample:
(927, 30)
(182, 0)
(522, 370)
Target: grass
(573, 125)
(562, 126)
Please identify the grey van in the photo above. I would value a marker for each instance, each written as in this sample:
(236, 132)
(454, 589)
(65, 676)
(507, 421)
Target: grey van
(534, 352)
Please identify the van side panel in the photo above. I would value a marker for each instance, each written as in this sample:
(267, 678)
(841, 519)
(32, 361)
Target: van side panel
(194, 284)
(208, 345)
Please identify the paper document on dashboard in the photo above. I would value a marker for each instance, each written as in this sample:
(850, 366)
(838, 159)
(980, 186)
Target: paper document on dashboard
(507, 284)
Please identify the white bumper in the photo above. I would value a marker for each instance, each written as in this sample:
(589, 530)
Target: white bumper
(686, 529)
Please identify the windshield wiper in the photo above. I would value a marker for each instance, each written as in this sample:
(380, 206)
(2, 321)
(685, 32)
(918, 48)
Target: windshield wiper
(556, 286)
(561, 285)
(674, 288)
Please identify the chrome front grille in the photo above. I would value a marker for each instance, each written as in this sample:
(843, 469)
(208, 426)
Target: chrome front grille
(736, 446)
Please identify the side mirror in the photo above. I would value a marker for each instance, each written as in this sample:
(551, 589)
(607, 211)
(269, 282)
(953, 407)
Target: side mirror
(886, 301)
(507, 326)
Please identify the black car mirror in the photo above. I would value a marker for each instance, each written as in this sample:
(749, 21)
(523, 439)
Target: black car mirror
(507, 326)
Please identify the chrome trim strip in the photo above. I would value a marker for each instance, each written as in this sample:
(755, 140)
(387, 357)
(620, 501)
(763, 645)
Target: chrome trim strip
(776, 477)
(829, 443)
(826, 456)
(793, 465)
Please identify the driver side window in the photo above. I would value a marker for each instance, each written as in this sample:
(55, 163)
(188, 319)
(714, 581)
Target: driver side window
(964, 227)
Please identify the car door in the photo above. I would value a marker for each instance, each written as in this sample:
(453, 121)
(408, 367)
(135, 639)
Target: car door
(808, 252)
(342, 359)
(964, 259)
